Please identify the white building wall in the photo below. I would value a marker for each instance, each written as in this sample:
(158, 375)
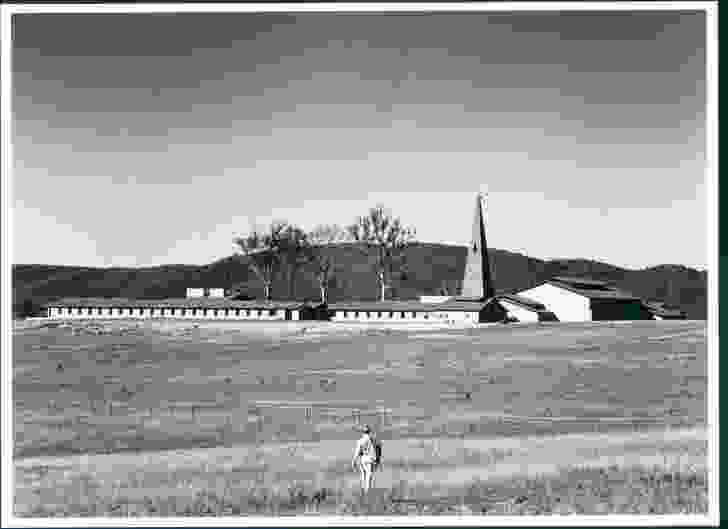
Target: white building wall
(171, 312)
(434, 299)
(457, 316)
(567, 305)
(374, 316)
(217, 293)
(396, 316)
(518, 312)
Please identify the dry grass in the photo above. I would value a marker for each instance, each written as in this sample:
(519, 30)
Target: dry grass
(443, 474)
(588, 490)
(184, 433)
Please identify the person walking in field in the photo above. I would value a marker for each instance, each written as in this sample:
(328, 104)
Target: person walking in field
(367, 457)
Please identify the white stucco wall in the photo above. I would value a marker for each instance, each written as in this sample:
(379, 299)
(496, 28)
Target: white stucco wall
(519, 312)
(409, 316)
(457, 316)
(373, 316)
(176, 312)
(434, 299)
(567, 305)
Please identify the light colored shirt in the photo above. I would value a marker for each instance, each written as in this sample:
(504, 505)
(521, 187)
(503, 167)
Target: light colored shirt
(365, 448)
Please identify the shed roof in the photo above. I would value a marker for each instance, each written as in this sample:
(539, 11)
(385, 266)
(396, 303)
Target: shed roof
(581, 281)
(522, 301)
(592, 289)
(211, 303)
(410, 306)
(385, 306)
(465, 305)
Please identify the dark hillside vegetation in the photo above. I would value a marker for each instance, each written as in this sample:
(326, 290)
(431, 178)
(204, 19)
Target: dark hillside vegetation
(431, 269)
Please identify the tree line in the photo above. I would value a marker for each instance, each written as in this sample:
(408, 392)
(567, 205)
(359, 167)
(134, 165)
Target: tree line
(285, 246)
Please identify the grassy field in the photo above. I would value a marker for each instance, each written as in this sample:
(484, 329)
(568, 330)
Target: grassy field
(224, 418)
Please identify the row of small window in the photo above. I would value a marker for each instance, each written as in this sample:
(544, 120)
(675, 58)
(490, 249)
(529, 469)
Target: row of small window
(379, 314)
(166, 312)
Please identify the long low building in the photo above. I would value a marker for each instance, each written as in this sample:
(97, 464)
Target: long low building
(559, 299)
(450, 311)
(183, 308)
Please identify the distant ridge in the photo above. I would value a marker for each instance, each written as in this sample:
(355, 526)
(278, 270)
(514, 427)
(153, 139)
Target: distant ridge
(433, 269)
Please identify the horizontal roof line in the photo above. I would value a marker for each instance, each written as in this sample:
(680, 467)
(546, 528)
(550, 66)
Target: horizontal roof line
(178, 303)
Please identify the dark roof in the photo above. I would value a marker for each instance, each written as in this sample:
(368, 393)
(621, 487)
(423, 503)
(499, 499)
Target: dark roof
(211, 303)
(410, 306)
(384, 306)
(469, 299)
(465, 305)
(581, 281)
(522, 301)
(592, 289)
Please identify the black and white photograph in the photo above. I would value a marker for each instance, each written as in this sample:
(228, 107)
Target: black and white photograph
(373, 264)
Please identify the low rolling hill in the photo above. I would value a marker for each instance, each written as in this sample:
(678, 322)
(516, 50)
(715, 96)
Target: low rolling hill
(431, 269)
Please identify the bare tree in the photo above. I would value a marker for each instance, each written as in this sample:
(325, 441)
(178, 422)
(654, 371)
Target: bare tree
(294, 250)
(263, 253)
(320, 239)
(388, 238)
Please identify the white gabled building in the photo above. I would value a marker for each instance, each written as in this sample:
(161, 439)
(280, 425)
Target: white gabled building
(522, 309)
(572, 299)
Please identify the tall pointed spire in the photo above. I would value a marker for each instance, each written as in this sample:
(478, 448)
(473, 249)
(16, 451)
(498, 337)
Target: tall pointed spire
(477, 282)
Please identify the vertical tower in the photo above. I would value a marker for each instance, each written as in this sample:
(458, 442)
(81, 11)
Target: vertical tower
(477, 282)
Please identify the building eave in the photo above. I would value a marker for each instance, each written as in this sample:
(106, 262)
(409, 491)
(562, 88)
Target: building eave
(184, 303)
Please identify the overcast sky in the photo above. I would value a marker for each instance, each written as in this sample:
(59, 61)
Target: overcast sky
(154, 139)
